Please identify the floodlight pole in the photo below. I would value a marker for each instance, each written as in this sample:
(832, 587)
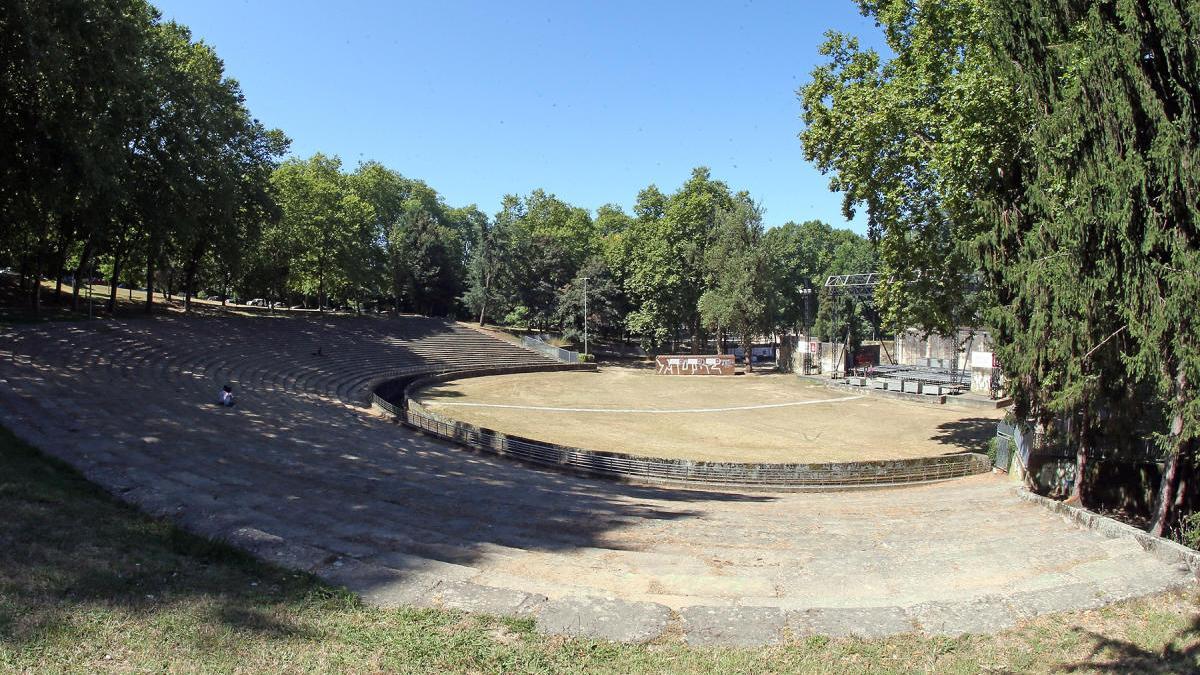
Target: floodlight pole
(807, 293)
(585, 331)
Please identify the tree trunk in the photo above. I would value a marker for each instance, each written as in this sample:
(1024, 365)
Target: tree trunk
(84, 258)
(1181, 460)
(487, 285)
(23, 274)
(60, 261)
(1169, 501)
(1081, 462)
(189, 275)
(112, 287)
(1164, 501)
(36, 290)
(747, 351)
(188, 280)
(151, 256)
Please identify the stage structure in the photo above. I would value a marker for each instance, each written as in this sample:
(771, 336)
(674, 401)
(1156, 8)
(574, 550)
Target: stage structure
(861, 287)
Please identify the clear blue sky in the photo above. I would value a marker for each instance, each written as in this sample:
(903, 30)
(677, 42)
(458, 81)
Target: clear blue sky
(590, 101)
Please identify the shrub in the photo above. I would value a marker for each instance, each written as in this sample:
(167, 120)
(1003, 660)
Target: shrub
(519, 316)
(1190, 530)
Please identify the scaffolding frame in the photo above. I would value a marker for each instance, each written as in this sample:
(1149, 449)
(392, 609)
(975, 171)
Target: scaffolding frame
(857, 286)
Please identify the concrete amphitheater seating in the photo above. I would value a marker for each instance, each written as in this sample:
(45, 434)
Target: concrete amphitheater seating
(281, 354)
(300, 473)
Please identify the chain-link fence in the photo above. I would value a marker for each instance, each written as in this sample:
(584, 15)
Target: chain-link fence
(564, 355)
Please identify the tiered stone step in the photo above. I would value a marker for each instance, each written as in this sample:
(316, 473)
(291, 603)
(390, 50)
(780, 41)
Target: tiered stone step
(300, 474)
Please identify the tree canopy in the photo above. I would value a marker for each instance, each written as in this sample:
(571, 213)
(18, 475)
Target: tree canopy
(124, 140)
(1034, 162)
(129, 152)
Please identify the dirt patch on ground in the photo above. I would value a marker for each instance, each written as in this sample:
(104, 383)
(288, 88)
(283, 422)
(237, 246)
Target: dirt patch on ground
(760, 418)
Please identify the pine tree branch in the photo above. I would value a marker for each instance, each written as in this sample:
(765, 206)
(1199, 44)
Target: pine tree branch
(1114, 334)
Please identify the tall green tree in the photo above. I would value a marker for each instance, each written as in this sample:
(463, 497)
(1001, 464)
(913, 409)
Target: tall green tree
(605, 309)
(548, 218)
(386, 191)
(319, 230)
(913, 139)
(546, 242)
(802, 257)
(667, 271)
(198, 165)
(1051, 144)
(488, 268)
(1105, 203)
(739, 297)
(73, 85)
(428, 254)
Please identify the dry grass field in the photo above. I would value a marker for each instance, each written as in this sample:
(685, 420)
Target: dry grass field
(755, 418)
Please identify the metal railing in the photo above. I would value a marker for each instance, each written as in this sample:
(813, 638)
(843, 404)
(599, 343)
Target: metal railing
(1006, 442)
(387, 406)
(564, 355)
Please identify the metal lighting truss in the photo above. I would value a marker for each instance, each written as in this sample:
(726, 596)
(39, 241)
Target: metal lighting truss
(854, 285)
(860, 286)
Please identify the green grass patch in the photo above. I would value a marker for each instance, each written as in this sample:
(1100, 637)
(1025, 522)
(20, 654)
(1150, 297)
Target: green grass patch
(88, 584)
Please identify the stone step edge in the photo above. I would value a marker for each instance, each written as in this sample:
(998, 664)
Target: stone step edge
(1163, 549)
(604, 616)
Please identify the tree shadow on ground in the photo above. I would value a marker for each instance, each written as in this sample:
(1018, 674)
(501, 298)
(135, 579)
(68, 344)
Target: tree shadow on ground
(970, 434)
(71, 552)
(1112, 655)
(290, 463)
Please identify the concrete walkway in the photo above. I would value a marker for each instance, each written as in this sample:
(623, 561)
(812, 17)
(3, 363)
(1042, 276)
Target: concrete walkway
(301, 473)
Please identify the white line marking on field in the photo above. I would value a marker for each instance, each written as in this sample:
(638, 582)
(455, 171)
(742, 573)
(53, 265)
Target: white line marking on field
(637, 411)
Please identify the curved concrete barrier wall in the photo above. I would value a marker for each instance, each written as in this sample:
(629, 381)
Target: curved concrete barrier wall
(395, 397)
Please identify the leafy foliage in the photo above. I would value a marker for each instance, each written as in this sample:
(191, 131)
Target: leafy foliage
(1104, 207)
(127, 150)
(123, 139)
(912, 139)
(1047, 149)
(740, 297)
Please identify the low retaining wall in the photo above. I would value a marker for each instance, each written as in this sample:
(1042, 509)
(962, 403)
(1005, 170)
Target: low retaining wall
(1164, 549)
(620, 466)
